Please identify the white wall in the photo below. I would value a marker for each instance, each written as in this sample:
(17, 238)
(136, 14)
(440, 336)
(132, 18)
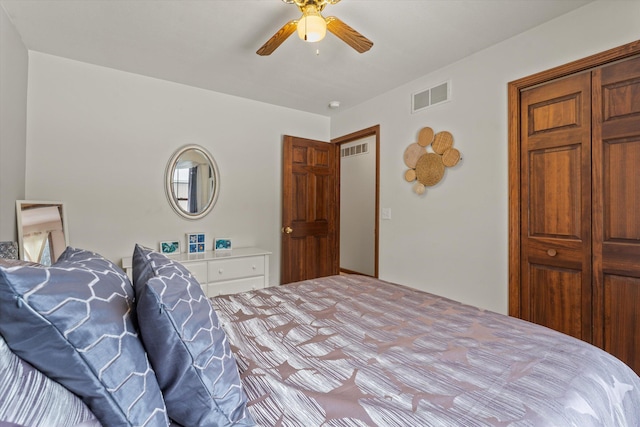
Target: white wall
(99, 140)
(13, 124)
(453, 240)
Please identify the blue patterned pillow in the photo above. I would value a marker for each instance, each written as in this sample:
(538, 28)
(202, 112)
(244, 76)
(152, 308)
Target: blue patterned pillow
(73, 322)
(186, 345)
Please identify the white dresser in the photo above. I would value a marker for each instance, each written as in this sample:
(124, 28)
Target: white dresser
(239, 270)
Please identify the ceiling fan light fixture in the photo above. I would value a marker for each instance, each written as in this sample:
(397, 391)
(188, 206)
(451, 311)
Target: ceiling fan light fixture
(312, 26)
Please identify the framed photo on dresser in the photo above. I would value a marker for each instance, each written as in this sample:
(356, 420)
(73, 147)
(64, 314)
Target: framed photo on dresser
(170, 247)
(195, 243)
(222, 244)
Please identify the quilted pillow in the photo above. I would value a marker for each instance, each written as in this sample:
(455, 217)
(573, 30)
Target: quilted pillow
(73, 322)
(28, 397)
(186, 345)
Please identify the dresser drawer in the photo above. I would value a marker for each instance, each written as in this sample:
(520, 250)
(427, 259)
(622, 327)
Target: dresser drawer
(240, 270)
(235, 268)
(198, 270)
(235, 286)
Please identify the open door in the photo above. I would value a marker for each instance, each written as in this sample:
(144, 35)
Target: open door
(309, 210)
(359, 201)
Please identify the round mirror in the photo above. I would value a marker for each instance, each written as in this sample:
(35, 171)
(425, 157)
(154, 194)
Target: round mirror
(192, 182)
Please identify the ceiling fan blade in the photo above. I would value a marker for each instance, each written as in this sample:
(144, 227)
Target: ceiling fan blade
(277, 39)
(348, 34)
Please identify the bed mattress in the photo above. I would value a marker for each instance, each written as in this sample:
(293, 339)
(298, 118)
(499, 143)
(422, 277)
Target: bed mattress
(356, 351)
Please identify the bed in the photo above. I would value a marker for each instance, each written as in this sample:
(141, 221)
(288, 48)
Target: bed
(356, 351)
(337, 351)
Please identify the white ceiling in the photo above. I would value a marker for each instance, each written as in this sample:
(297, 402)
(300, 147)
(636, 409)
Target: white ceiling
(211, 44)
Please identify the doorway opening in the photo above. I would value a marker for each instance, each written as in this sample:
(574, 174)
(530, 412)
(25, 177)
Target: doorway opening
(359, 201)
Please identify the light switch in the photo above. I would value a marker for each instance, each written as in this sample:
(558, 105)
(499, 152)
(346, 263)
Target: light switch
(386, 213)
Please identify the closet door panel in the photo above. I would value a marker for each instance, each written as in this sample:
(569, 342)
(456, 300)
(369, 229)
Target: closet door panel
(556, 301)
(556, 205)
(616, 209)
(619, 105)
(555, 184)
(621, 190)
(622, 318)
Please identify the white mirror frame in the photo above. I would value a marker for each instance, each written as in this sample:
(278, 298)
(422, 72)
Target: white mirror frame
(20, 204)
(168, 174)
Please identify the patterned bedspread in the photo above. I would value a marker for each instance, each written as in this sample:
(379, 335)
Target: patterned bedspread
(355, 351)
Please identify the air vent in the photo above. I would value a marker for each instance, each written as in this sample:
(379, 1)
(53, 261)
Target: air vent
(432, 96)
(355, 150)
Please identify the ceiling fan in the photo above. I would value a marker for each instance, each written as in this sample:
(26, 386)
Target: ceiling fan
(312, 27)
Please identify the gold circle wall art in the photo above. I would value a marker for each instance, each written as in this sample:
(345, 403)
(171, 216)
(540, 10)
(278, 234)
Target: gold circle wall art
(426, 168)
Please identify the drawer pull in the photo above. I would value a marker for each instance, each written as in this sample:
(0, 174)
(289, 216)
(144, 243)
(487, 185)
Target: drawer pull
(220, 271)
(552, 252)
(253, 267)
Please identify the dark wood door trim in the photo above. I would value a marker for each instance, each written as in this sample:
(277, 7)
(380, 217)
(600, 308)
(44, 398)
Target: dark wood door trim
(514, 90)
(371, 131)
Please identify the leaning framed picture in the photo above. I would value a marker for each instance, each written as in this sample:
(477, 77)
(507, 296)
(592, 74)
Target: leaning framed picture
(195, 243)
(222, 244)
(170, 247)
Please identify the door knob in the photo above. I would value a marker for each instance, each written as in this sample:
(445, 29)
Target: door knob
(287, 230)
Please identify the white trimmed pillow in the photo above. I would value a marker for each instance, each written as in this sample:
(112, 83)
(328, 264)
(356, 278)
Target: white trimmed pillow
(73, 322)
(186, 344)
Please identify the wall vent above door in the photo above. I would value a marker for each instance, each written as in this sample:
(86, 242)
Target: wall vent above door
(432, 96)
(354, 150)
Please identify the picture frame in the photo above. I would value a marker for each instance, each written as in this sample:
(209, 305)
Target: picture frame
(221, 244)
(196, 243)
(170, 247)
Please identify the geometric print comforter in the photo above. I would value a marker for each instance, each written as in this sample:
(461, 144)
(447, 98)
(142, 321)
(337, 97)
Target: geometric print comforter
(357, 351)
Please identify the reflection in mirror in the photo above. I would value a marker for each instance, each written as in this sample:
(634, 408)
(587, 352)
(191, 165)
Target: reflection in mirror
(42, 231)
(192, 181)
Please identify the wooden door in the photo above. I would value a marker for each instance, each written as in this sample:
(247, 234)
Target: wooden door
(556, 205)
(309, 210)
(616, 209)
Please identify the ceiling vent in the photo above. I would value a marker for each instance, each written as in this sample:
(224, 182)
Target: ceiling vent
(432, 96)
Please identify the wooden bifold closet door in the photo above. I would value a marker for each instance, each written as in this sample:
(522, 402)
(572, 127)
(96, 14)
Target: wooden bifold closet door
(575, 195)
(556, 188)
(616, 209)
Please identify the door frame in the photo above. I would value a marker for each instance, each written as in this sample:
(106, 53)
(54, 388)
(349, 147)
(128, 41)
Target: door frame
(514, 89)
(364, 133)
